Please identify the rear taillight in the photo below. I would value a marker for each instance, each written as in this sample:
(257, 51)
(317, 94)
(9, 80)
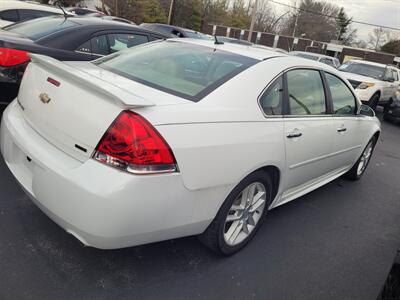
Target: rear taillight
(12, 57)
(132, 144)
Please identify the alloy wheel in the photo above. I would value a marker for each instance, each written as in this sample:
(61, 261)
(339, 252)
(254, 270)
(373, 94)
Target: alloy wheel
(245, 213)
(365, 157)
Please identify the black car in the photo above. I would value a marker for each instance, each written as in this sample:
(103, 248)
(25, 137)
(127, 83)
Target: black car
(391, 111)
(175, 31)
(67, 39)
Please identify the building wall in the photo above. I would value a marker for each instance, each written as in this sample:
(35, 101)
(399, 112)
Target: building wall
(287, 43)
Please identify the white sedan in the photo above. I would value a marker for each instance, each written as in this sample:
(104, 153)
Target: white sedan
(181, 137)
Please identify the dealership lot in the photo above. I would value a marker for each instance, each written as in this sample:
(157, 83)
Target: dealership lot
(337, 242)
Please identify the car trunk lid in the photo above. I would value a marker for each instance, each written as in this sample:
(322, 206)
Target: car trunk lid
(70, 108)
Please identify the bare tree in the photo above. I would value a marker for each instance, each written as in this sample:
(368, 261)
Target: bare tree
(380, 36)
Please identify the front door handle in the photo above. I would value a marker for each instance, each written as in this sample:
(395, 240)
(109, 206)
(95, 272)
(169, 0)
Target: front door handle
(341, 129)
(294, 135)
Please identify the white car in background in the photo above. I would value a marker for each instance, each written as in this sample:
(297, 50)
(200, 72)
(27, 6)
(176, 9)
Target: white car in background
(374, 83)
(325, 59)
(181, 137)
(12, 11)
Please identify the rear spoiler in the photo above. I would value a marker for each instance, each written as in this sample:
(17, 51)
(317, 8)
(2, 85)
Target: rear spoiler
(88, 81)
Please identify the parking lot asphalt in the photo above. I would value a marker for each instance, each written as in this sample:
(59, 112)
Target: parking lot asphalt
(337, 242)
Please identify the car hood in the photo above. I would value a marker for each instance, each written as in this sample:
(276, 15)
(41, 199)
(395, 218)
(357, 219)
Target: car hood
(357, 77)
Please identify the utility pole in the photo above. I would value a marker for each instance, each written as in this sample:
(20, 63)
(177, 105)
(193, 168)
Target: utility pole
(171, 8)
(295, 22)
(116, 8)
(253, 19)
(380, 30)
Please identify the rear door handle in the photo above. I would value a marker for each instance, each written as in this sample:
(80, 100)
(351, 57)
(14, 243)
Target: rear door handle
(294, 135)
(341, 129)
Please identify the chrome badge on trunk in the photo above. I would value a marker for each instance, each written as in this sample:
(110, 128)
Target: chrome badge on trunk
(44, 98)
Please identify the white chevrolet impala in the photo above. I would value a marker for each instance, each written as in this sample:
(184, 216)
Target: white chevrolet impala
(181, 137)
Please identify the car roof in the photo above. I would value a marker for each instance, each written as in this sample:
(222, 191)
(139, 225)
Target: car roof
(105, 23)
(249, 51)
(14, 4)
(169, 26)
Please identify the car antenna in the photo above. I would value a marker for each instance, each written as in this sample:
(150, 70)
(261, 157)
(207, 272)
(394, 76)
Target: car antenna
(60, 7)
(216, 40)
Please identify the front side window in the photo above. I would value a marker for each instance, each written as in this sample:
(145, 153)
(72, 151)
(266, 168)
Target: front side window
(389, 74)
(306, 92)
(10, 15)
(271, 100)
(343, 99)
(395, 75)
(100, 45)
(182, 69)
(121, 41)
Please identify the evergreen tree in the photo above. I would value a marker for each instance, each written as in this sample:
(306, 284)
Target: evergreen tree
(343, 22)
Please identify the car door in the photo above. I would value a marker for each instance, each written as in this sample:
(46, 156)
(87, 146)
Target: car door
(348, 129)
(308, 129)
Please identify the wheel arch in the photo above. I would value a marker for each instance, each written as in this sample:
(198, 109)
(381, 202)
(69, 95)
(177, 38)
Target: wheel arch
(275, 174)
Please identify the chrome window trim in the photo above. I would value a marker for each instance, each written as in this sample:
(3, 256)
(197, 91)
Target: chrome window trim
(291, 116)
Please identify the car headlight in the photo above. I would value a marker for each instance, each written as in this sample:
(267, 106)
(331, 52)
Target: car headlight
(365, 85)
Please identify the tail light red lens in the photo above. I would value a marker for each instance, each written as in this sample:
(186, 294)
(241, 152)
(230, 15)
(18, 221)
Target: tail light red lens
(132, 144)
(12, 57)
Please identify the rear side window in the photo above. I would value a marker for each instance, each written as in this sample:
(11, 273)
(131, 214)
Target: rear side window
(343, 99)
(271, 100)
(121, 41)
(10, 15)
(39, 28)
(185, 70)
(28, 14)
(306, 92)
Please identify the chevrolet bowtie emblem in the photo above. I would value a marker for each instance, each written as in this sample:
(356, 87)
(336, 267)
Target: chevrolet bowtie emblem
(44, 98)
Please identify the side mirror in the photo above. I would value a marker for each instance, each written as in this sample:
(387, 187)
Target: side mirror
(390, 79)
(365, 110)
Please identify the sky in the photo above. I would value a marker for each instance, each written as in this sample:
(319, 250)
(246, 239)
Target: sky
(381, 12)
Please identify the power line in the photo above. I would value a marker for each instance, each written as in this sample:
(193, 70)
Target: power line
(333, 17)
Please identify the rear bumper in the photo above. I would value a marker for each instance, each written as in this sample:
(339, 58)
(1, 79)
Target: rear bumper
(102, 207)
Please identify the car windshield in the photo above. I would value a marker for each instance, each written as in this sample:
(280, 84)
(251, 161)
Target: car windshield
(39, 28)
(197, 35)
(182, 69)
(376, 72)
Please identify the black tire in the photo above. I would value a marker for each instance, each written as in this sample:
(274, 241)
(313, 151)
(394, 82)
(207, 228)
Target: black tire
(213, 236)
(352, 174)
(373, 102)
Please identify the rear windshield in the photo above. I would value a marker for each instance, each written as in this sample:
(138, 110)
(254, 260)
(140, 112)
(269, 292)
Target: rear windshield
(308, 56)
(39, 28)
(182, 69)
